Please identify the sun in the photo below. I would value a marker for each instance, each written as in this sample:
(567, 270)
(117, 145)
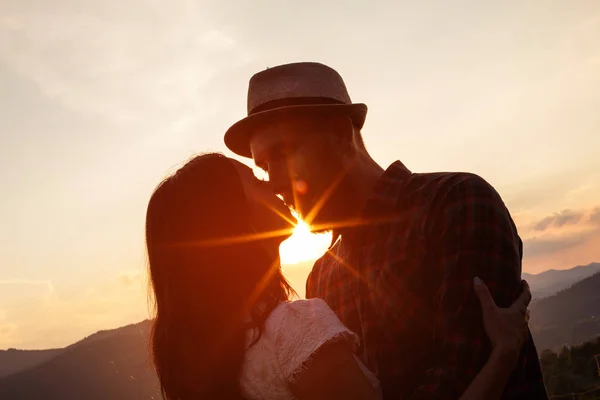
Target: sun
(303, 245)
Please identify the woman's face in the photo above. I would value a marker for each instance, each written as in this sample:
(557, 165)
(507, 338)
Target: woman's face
(270, 216)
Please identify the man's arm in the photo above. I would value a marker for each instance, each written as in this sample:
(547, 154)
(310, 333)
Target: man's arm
(473, 235)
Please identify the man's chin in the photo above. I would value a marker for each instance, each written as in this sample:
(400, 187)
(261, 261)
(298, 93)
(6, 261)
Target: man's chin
(317, 224)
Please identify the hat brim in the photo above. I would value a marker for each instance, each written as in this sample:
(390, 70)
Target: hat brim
(237, 137)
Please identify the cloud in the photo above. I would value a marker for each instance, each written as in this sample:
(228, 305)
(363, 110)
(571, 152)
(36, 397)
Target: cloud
(568, 237)
(565, 220)
(114, 62)
(559, 219)
(551, 190)
(551, 244)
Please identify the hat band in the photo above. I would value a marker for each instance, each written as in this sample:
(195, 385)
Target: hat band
(294, 101)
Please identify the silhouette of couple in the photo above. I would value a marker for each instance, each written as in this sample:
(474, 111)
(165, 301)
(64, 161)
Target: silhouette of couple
(396, 309)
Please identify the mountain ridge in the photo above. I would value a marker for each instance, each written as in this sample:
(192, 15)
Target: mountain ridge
(550, 282)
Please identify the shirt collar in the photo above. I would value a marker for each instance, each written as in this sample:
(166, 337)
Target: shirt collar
(383, 197)
(387, 189)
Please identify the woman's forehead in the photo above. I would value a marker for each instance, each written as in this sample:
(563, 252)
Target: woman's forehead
(242, 168)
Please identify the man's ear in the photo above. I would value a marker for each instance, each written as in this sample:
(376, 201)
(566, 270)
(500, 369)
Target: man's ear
(342, 134)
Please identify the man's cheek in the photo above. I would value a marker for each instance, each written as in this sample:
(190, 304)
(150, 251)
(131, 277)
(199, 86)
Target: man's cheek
(297, 175)
(296, 165)
(303, 182)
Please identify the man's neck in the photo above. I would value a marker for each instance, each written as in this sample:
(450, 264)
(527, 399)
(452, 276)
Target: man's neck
(361, 180)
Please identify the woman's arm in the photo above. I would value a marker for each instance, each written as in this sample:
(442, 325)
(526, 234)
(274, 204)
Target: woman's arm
(493, 377)
(333, 373)
(507, 331)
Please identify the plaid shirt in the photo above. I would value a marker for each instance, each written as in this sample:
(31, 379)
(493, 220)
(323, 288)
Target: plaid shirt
(403, 282)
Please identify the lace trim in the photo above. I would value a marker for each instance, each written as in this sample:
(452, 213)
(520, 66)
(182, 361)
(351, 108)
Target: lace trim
(338, 337)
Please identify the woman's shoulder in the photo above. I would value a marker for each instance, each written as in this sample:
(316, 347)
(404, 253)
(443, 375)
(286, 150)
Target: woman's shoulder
(298, 329)
(304, 305)
(299, 313)
(305, 324)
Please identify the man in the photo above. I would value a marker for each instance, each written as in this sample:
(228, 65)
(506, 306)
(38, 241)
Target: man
(406, 245)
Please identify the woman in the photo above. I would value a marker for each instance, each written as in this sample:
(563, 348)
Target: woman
(224, 326)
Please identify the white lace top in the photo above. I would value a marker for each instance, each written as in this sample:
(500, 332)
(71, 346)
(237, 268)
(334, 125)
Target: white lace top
(293, 332)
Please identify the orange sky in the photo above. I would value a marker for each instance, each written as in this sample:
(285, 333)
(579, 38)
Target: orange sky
(101, 100)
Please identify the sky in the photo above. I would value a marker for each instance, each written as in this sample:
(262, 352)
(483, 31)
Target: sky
(99, 101)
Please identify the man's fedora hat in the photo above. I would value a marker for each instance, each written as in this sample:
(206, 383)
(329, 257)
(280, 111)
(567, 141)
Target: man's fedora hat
(306, 87)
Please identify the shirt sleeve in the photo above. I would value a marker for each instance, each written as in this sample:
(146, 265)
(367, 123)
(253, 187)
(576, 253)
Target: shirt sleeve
(300, 329)
(473, 235)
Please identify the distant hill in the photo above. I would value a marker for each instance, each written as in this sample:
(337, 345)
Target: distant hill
(13, 361)
(107, 365)
(552, 281)
(569, 317)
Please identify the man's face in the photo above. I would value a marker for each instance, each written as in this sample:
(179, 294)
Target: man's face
(303, 165)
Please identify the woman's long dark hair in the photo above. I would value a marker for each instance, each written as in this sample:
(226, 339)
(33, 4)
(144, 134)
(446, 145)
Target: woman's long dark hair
(205, 285)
